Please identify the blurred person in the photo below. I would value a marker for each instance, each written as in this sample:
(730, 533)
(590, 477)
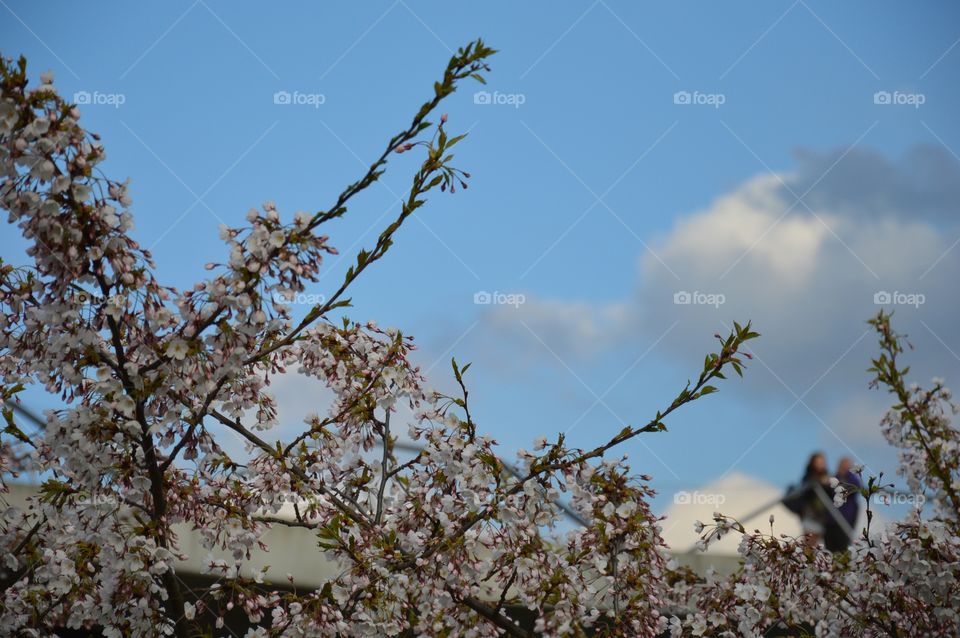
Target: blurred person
(836, 538)
(808, 504)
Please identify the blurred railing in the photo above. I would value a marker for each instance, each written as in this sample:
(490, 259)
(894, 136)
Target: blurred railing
(571, 513)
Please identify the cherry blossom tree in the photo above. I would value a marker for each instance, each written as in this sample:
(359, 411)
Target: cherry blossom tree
(441, 544)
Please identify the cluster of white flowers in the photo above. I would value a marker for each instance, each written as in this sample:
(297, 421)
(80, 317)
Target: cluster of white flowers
(902, 581)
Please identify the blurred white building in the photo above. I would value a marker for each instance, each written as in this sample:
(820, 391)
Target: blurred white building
(293, 550)
(748, 499)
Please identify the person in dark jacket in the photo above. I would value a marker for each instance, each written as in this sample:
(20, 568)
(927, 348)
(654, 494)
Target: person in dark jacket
(813, 511)
(836, 538)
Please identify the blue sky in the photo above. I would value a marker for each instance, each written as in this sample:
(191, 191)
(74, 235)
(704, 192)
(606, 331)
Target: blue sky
(788, 186)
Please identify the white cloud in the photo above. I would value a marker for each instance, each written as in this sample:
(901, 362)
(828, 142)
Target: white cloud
(576, 327)
(805, 277)
(746, 224)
